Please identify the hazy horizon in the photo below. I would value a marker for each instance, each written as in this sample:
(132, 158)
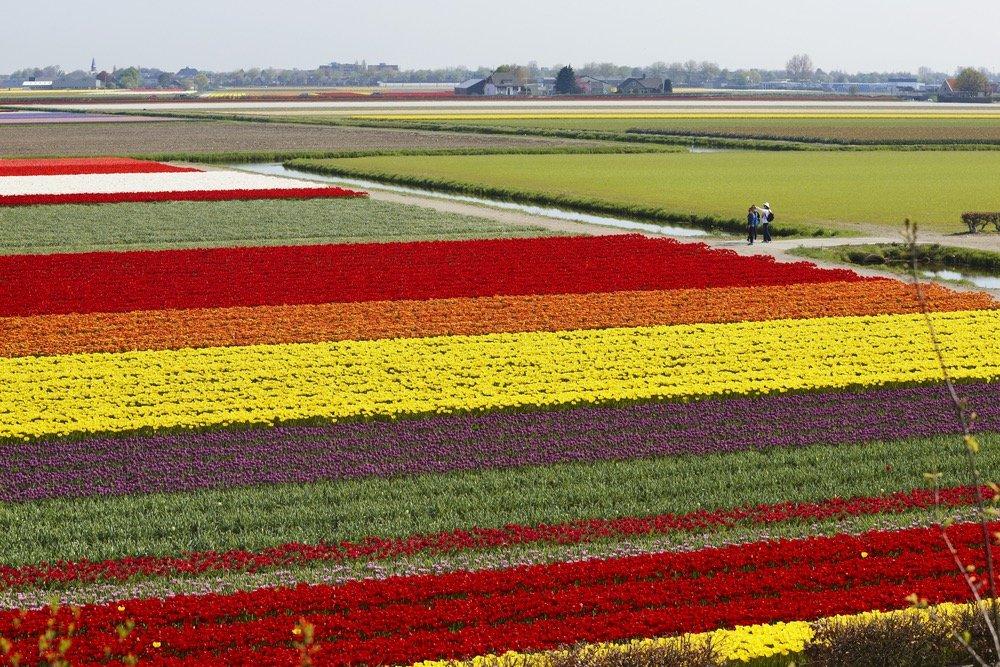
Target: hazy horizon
(848, 35)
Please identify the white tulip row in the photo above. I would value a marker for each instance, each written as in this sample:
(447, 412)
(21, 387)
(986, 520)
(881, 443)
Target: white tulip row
(160, 182)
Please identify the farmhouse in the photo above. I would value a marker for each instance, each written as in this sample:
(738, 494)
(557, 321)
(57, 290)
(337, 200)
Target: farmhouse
(950, 92)
(500, 83)
(593, 86)
(647, 85)
(509, 84)
(471, 87)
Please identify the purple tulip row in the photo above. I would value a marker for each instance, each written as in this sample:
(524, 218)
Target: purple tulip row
(166, 463)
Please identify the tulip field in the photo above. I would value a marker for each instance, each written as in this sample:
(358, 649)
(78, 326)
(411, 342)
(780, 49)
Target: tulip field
(852, 126)
(487, 450)
(103, 181)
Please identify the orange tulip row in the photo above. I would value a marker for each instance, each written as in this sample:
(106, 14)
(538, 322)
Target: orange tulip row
(215, 327)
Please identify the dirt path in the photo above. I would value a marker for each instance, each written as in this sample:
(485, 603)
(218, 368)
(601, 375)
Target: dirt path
(778, 249)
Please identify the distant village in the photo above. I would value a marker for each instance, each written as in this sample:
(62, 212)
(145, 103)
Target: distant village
(505, 82)
(508, 81)
(525, 81)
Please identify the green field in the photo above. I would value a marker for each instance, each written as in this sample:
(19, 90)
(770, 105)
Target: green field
(76, 228)
(815, 189)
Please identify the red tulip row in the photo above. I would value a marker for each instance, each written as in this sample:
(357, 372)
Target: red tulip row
(405, 619)
(377, 548)
(74, 166)
(180, 195)
(226, 277)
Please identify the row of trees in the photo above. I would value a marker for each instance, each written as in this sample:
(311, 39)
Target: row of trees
(969, 79)
(691, 73)
(798, 68)
(128, 77)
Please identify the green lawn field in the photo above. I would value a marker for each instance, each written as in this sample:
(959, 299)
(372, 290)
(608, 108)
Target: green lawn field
(75, 228)
(824, 189)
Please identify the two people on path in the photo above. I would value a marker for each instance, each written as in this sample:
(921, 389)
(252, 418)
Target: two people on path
(759, 217)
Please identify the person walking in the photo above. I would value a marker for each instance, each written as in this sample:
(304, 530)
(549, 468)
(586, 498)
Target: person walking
(753, 219)
(766, 216)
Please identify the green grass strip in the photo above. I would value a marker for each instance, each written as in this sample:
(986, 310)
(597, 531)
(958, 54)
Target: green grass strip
(79, 228)
(258, 517)
(897, 257)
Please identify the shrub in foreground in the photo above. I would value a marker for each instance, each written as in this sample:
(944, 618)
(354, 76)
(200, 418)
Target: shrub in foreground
(904, 640)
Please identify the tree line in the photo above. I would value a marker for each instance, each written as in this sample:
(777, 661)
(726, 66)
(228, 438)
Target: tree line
(691, 73)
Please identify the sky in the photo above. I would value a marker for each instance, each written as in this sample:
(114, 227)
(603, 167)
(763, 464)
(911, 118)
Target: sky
(850, 35)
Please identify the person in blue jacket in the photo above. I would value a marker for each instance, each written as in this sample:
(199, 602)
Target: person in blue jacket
(753, 219)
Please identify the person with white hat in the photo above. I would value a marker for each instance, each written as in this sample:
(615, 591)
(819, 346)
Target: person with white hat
(766, 216)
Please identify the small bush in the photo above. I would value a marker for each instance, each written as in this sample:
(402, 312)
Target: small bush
(684, 653)
(865, 258)
(978, 221)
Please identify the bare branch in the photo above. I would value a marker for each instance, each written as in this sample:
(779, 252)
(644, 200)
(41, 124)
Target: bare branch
(992, 619)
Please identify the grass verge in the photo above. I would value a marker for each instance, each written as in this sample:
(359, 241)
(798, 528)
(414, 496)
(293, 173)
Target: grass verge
(897, 257)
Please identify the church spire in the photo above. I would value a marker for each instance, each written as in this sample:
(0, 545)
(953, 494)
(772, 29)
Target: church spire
(93, 65)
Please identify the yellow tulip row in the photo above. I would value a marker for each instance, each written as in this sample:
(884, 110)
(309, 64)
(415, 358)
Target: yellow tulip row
(742, 644)
(262, 384)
